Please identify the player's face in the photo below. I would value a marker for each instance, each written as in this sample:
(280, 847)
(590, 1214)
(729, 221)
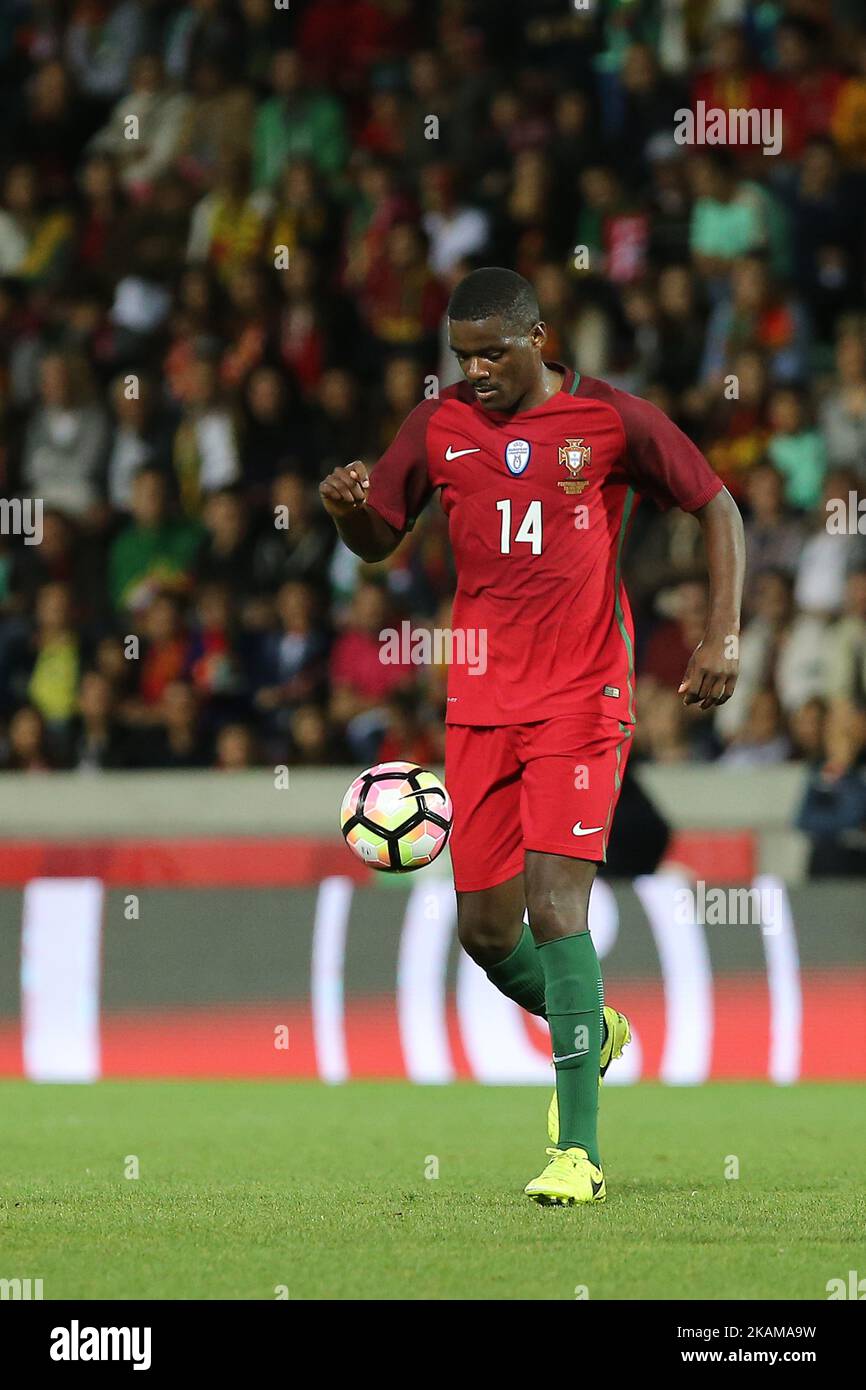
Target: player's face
(500, 365)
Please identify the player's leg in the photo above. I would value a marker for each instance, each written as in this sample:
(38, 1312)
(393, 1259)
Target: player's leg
(492, 931)
(571, 778)
(483, 778)
(557, 895)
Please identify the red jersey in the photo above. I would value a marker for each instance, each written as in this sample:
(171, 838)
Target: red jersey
(538, 505)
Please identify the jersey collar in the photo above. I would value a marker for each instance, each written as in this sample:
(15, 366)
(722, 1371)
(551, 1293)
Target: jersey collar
(570, 383)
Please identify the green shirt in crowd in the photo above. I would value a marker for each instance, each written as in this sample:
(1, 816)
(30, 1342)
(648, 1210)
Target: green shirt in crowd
(145, 559)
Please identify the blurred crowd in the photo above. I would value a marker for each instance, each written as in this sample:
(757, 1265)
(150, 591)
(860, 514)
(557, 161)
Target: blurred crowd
(228, 232)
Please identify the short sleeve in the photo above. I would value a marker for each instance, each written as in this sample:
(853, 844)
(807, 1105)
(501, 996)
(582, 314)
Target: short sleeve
(400, 486)
(662, 462)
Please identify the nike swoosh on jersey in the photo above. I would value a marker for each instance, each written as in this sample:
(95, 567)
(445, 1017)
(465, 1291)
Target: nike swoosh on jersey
(458, 453)
(578, 829)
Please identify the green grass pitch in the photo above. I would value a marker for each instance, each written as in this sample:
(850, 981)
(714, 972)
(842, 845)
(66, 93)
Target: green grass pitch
(245, 1189)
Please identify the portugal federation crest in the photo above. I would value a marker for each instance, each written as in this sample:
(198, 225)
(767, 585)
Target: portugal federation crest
(574, 455)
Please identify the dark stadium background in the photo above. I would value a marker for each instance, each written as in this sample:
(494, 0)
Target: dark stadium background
(197, 324)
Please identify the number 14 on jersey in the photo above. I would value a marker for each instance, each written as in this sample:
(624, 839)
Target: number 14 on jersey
(529, 530)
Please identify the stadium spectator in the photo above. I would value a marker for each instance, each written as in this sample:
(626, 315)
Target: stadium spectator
(402, 300)
(250, 325)
(155, 551)
(298, 121)
(215, 137)
(360, 680)
(828, 553)
(100, 250)
(236, 748)
(774, 535)
(293, 543)
(806, 727)
(228, 225)
(731, 79)
(101, 45)
(49, 130)
(833, 809)
(454, 229)
(843, 412)
(63, 556)
(761, 740)
(206, 448)
(315, 330)
(312, 741)
(214, 664)
(226, 554)
(668, 650)
(338, 427)
(143, 132)
(771, 611)
(405, 736)
(177, 741)
(661, 736)
(429, 95)
(680, 336)
(289, 662)
(35, 239)
(807, 92)
(848, 124)
(53, 682)
(166, 653)
(646, 102)
(27, 746)
(846, 651)
(756, 317)
(826, 227)
(139, 437)
(727, 217)
(733, 419)
(97, 739)
(795, 448)
(66, 442)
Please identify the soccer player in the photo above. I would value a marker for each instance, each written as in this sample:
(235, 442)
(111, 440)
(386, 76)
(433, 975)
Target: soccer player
(539, 470)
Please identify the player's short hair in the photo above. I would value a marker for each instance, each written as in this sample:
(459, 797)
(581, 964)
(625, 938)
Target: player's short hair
(492, 292)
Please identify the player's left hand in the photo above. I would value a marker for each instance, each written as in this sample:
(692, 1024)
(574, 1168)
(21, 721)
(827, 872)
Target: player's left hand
(711, 673)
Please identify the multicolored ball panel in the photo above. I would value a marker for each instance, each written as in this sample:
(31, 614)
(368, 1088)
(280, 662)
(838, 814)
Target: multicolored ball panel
(396, 816)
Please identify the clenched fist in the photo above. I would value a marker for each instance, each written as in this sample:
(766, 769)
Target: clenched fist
(345, 490)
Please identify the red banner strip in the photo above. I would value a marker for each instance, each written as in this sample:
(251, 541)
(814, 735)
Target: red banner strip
(240, 1040)
(282, 862)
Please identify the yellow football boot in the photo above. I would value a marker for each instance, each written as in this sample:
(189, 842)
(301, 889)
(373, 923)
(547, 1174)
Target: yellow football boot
(568, 1179)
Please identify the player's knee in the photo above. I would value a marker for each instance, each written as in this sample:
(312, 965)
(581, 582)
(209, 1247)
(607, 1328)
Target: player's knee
(482, 934)
(548, 920)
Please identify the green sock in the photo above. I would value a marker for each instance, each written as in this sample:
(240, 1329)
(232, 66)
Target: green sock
(520, 976)
(574, 998)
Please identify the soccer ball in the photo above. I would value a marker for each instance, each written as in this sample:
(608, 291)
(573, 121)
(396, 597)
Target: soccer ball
(397, 817)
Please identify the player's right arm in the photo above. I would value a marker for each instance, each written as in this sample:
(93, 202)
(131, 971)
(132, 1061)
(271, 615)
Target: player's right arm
(373, 515)
(363, 530)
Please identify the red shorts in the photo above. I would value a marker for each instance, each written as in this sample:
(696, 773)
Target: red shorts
(552, 785)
